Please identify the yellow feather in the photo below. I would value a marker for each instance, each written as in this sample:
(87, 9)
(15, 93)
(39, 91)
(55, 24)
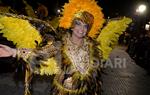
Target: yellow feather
(110, 34)
(49, 67)
(20, 32)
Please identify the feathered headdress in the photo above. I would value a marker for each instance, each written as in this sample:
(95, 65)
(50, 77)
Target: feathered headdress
(78, 6)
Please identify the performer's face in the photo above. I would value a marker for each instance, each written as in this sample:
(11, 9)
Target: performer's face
(80, 29)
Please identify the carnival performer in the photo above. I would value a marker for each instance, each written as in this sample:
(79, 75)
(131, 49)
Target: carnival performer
(80, 66)
(72, 55)
(76, 54)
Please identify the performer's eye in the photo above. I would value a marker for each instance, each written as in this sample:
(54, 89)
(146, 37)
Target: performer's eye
(86, 26)
(77, 22)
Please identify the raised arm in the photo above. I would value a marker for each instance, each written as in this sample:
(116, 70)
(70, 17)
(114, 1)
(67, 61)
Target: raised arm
(6, 51)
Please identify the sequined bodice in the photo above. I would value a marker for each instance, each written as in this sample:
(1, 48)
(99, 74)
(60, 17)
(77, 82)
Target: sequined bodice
(79, 55)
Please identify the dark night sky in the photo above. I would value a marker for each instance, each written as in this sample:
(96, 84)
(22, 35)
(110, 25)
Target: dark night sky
(120, 7)
(111, 8)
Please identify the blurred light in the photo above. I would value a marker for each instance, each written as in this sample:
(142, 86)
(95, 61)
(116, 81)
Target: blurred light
(147, 27)
(141, 8)
(58, 11)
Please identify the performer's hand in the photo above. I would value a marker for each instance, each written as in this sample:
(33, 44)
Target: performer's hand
(68, 83)
(6, 51)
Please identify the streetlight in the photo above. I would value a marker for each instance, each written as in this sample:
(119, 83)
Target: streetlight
(140, 19)
(147, 26)
(141, 8)
(58, 11)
